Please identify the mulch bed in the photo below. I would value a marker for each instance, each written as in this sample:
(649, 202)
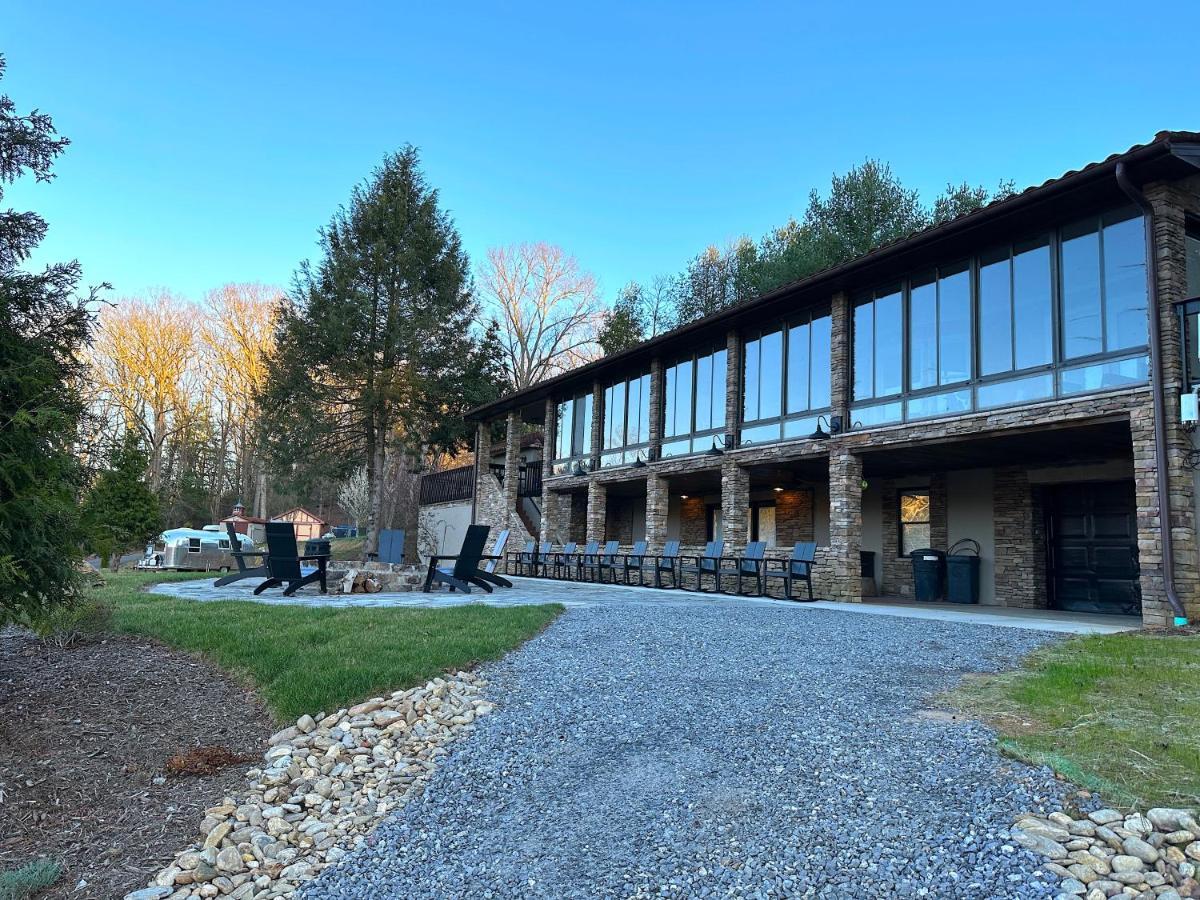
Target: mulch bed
(86, 731)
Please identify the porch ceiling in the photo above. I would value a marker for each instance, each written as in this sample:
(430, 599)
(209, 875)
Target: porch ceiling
(790, 474)
(1043, 446)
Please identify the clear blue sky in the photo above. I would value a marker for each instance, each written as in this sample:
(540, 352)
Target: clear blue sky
(211, 140)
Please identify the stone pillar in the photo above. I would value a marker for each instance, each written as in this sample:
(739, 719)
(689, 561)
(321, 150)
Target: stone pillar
(483, 456)
(657, 504)
(1170, 203)
(512, 469)
(733, 387)
(597, 423)
(845, 525)
(552, 526)
(735, 503)
(656, 408)
(1019, 560)
(839, 357)
(597, 510)
(556, 517)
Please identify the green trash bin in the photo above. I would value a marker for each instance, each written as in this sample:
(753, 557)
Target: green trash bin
(929, 573)
(962, 572)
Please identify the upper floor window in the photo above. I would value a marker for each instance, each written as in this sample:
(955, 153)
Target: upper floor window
(626, 420)
(1058, 314)
(1189, 311)
(1103, 274)
(573, 440)
(785, 379)
(694, 403)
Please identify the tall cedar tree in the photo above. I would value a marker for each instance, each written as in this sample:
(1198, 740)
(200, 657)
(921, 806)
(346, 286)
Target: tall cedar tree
(375, 348)
(44, 325)
(120, 512)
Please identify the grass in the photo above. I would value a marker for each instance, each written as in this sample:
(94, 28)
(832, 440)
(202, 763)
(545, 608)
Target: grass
(310, 660)
(1115, 713)
(349, 548)
(16, 884)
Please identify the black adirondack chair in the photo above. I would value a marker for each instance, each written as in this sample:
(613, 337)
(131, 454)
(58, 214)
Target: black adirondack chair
(635, 561)
(563, 561)
(798, 568)
(586, 559)
(391, 547)
(607, 562)
(667, 561)
(749, 565)
(522, 560)
(707, 564)
(283, 561)
(492, 561)
(240, 556)
(465, 571)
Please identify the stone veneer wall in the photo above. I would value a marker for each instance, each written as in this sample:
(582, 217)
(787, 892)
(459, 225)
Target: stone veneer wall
(597, 510)
(491, 509)
(578, 517)
(1020, 559)
(794, 517)
(842, 561)
(657, 508)
(619, 520)
(735, 503)
(692, 524)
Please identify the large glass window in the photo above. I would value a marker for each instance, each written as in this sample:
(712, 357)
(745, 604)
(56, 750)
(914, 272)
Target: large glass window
(914, 521)
(879, 346)
(573, 440)
(978, 332)
(626, 420)
(694, 403)
(786, 378)
(1103, 276)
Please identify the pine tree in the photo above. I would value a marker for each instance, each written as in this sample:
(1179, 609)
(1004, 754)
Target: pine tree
(43, 327)
(120, 512)
(377, 349)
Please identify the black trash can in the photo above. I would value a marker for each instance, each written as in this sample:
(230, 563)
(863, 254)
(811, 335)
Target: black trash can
(962, 572)
(929, 573)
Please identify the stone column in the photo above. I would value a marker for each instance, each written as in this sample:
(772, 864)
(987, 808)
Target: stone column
(1170, 202)
(845, 525)
(839, 357)
(657, 504)
(733, 387)
(597, 423)
(735, 503)
(483, 456)
(597, 510)
(1016, 547)
(553, 527)
(512, 470)
(656, 408)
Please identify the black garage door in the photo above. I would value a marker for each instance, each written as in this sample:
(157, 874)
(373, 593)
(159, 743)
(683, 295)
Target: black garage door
(1093, 563)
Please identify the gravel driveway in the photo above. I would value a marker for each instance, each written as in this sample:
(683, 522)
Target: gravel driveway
(714, 749)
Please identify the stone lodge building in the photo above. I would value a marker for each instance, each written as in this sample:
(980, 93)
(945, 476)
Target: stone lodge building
(994, 377)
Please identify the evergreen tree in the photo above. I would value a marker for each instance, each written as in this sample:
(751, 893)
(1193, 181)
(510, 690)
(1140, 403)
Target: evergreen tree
(120, 513)
(624, 325)
(377, 352)
(43, 327)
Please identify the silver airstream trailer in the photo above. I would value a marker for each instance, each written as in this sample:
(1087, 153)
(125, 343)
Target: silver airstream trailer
(192, 549)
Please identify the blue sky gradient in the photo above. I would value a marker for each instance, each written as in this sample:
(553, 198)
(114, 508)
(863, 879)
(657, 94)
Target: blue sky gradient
(210, 141)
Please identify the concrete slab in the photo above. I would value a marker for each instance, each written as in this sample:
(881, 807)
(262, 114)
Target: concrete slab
(528, 591)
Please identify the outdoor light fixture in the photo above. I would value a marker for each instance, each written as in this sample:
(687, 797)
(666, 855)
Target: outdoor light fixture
(578, 469)
(638, 462)
(714, 450)
(683, 496)
(835, 427)
(778, 490)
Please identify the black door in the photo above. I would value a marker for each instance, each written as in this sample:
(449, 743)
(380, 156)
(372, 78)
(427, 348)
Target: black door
(1093, 561)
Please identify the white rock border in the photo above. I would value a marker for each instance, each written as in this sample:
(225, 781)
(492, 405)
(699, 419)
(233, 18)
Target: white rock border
(322, 787)
(1107, 854)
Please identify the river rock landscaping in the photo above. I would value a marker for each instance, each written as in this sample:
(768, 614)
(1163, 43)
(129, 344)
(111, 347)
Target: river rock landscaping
(1108, 854)
(323, 785)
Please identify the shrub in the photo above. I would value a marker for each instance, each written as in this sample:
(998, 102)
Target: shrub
(66, 623)
(16, 884)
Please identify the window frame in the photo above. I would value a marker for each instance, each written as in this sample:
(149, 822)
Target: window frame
(628, 452)
(563, 465)
(1186, 309)
(901, 493)
(783, 327)
(896, 407)
(696, 440)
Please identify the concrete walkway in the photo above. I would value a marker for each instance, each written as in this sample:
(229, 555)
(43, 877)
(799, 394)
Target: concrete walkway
(527, 591)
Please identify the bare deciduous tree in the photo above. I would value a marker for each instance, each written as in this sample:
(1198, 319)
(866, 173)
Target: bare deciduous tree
(548, 309)
(355, 496)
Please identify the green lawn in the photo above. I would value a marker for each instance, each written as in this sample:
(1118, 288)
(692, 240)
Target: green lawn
(350, 548)
(306, 660)
(1115, 713)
